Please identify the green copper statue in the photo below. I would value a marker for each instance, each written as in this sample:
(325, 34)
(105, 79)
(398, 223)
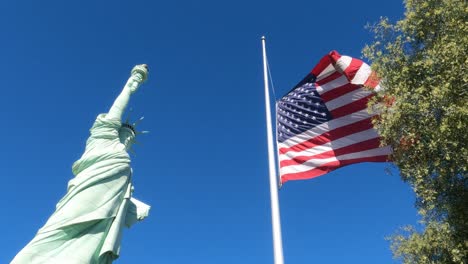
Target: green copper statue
(87, 224)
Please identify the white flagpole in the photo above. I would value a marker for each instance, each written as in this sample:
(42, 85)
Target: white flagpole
(275, 213)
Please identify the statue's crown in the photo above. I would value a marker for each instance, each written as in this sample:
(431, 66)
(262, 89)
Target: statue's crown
(132, 126)
(129, 126)
(129, 138)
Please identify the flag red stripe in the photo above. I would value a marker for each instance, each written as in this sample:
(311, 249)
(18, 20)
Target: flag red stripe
(330, 136)
(372, 81)
(334, 56)
(337, 92)
(329, 167)
(352, 69)
(356, 147)
(322, 65)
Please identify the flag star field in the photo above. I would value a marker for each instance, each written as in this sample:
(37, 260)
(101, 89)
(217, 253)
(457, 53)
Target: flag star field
(300, 110)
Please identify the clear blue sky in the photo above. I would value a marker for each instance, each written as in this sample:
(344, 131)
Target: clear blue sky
(203, 167)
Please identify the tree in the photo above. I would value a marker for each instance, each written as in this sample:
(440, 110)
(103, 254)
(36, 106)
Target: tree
(422, 59)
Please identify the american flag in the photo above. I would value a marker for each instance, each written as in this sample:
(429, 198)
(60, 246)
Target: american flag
(324, 124)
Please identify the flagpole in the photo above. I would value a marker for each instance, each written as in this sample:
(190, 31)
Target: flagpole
(275, 213)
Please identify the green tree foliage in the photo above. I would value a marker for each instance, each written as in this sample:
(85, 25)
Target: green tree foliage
(424, 116)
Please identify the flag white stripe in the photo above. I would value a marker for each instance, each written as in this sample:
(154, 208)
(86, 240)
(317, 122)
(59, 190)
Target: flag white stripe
(314, 163)
(362, 74)
(347, 98)
(342, 63)
(329, 70)
(338, 82)
(378, 88)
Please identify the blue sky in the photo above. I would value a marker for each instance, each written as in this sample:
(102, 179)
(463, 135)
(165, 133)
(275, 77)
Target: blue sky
(203, 167)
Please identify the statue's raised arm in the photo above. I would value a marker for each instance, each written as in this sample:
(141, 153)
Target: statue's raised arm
(88, 221)
(138, 75)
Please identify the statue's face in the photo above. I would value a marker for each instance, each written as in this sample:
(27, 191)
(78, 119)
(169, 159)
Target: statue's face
(127, 137)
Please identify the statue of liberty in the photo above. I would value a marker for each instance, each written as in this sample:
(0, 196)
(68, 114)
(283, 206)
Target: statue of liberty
(87, 225)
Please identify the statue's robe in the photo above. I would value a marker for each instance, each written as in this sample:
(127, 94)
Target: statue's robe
(87, 224)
